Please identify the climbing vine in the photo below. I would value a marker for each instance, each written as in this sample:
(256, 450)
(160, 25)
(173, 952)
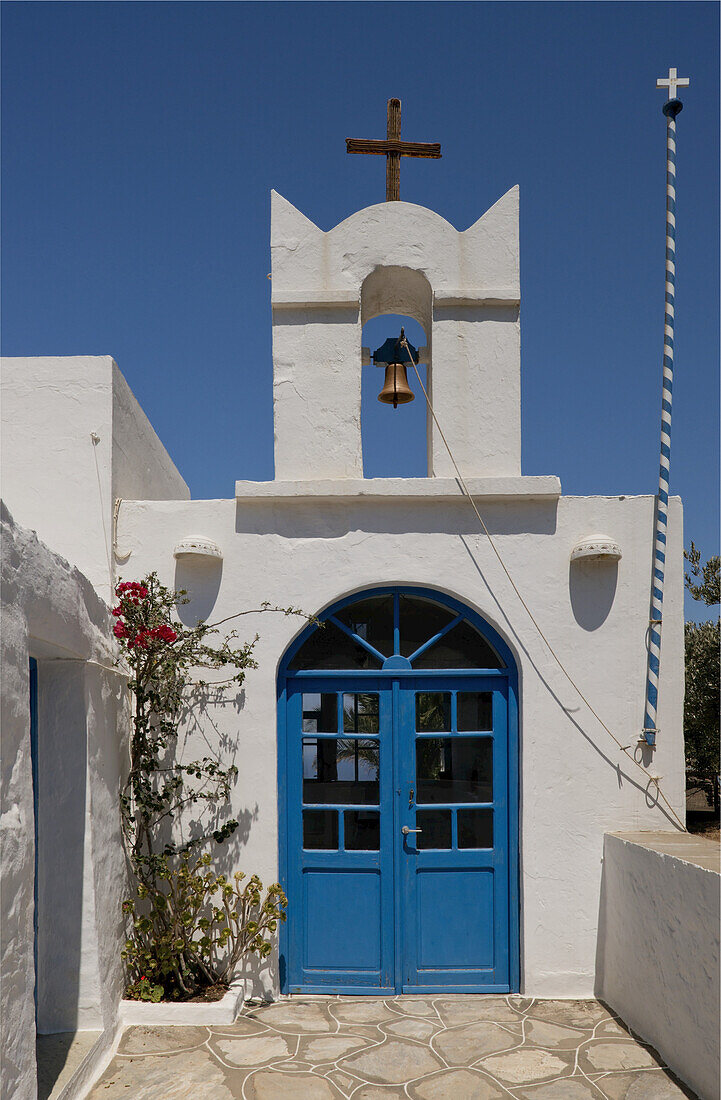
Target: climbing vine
(188, 926)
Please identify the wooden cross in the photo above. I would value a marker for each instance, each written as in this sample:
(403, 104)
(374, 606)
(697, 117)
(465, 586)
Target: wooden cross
(673, 82)
(394, 149)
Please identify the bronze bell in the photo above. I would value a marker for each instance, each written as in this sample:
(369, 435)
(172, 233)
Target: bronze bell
(396, 390)
(394, 355)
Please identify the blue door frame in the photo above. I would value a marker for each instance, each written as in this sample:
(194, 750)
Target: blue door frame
(392, 915)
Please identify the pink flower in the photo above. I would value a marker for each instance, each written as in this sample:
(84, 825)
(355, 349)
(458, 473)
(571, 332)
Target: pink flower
(135, 588)
(117, 611)
(164, 632)
(120, 630)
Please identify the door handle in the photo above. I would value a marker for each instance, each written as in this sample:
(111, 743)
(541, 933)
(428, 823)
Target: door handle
(405, 830)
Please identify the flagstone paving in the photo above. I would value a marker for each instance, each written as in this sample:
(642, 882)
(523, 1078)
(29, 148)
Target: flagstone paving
(399, 1048)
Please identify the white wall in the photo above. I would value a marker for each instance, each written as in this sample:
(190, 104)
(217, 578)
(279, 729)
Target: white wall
(322, 289)
(658, 950)
(52, 612)
(142, 469)
(55, 479)
(317, 411)
(575, 784)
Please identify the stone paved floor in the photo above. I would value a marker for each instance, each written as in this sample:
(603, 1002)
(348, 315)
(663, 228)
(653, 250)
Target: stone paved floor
(423, 1048)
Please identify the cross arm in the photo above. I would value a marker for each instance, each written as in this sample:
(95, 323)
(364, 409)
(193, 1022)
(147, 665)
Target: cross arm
(404, 148)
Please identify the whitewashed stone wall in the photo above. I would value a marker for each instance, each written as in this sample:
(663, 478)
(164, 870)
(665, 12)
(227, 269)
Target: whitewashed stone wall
(56, 480)
(313, 548)
(51, 611)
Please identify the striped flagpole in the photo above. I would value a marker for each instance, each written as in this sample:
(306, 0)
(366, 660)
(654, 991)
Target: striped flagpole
(671, 109)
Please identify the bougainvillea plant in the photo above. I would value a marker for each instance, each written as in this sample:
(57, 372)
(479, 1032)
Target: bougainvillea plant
(189, 926)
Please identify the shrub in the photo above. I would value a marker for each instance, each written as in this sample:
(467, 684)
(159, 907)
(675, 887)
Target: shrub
(193, 929)
(188, 926)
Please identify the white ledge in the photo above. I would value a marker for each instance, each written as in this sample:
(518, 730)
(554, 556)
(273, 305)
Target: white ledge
(490, 297)
(398, 488)
(688, 847)
(291, 299)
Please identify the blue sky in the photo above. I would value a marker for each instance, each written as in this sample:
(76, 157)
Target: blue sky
(141, 142)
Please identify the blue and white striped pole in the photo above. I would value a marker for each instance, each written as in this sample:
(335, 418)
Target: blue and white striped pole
(671, 110)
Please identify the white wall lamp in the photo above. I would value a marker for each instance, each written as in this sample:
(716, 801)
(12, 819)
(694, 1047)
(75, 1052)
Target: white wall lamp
(196, 547)
(598, 548)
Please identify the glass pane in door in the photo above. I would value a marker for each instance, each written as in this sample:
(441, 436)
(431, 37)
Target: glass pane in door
(339, 770)
(454, 769)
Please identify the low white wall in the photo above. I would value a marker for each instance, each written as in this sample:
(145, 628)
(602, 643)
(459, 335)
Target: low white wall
(575, 785)
(658, 948)
(51, 612)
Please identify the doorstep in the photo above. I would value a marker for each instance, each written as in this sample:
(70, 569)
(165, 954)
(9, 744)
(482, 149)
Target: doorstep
(59, 1055)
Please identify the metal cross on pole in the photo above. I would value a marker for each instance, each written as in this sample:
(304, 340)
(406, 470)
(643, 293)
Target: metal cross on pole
(671, 109)
(672, 82)
(393, 149)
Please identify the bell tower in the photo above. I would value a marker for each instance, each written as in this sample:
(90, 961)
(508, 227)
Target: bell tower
(395, 257)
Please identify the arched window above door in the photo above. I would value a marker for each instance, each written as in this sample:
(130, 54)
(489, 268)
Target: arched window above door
(396, 629)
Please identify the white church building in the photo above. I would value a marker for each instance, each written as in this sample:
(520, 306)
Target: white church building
(419, 773)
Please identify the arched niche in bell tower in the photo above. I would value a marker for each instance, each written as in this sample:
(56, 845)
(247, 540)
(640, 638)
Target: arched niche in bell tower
(398, 293)
(397, 290)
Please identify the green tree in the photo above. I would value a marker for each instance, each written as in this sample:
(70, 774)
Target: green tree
(709, 590)
(701, 702)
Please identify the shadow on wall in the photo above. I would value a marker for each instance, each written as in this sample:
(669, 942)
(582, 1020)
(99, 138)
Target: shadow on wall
(200, 577)
(504, 623)
(229, 856)
(592, 588)
(201, 734)
(333, 315)
(600, 971)
(324, 519)
(263, 976)
(61, 798)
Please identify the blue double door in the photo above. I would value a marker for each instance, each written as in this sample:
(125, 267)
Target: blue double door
(397, 834)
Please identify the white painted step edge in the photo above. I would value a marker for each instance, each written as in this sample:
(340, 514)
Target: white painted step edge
(164, 1013)
(93, 1066)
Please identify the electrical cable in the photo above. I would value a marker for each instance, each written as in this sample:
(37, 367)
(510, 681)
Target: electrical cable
(624, 748)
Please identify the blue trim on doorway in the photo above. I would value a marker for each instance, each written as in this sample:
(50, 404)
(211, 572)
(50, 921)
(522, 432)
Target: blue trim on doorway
(514, 838)
(395, 677)
(460, 608)
(371, 673)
